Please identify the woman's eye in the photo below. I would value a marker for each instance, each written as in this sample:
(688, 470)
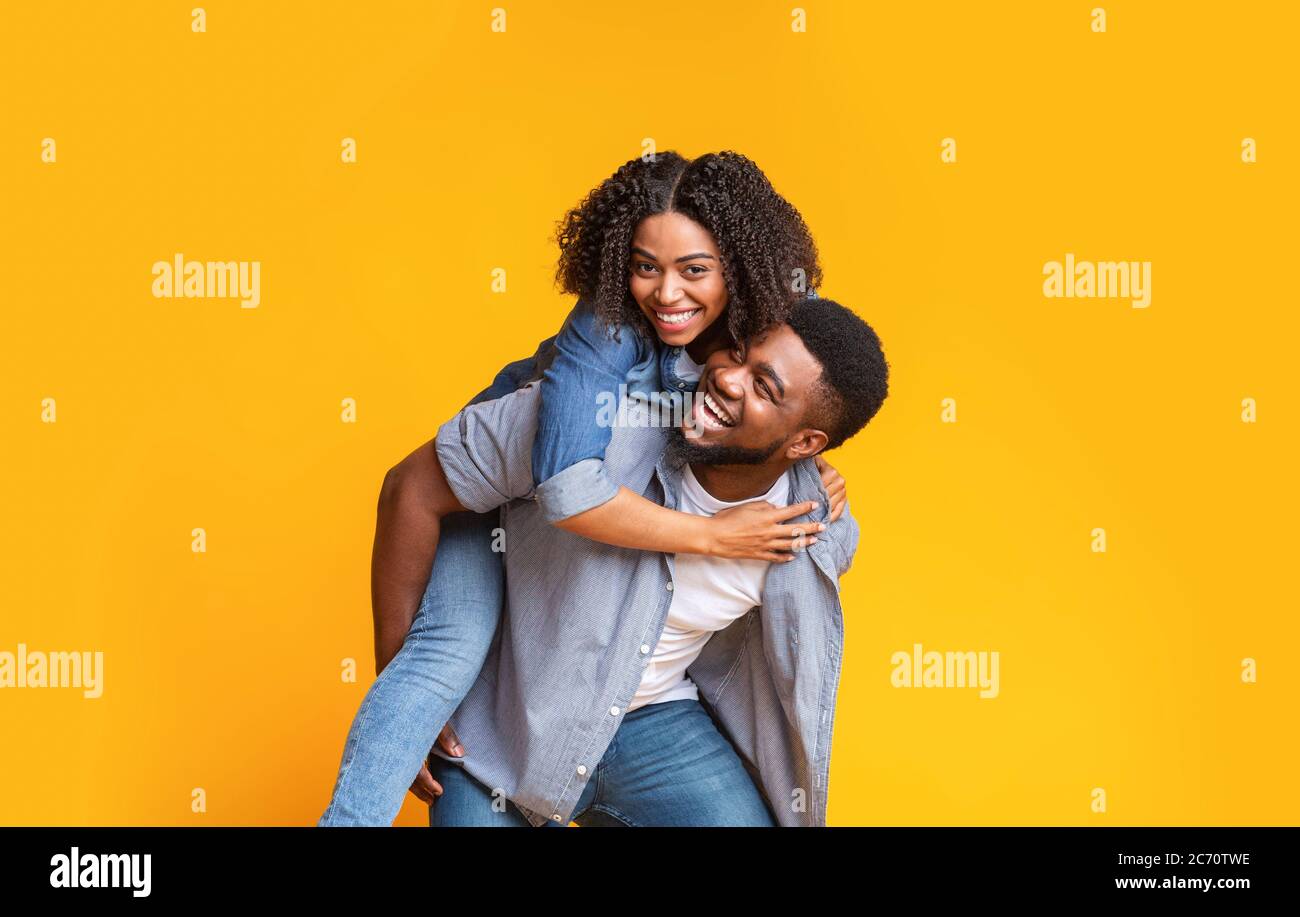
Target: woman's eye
(644, 266)
(696, 269)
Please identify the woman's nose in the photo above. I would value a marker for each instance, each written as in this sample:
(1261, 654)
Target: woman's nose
(669, 291)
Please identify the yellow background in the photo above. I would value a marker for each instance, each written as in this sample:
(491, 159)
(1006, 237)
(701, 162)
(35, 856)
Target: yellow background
(1118, 670)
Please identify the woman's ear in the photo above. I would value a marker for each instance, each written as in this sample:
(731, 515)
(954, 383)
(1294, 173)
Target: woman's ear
(806, 444)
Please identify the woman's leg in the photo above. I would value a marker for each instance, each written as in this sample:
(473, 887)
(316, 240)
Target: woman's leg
(416, 693)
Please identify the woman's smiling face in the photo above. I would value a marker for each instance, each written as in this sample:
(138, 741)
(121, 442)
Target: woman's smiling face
(676, 277)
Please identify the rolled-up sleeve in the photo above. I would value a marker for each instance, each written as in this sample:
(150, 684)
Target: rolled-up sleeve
(578, 488)
(580, 393)
(486, 450)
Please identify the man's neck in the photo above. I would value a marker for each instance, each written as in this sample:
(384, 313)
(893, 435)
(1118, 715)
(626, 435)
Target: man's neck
(734, 483)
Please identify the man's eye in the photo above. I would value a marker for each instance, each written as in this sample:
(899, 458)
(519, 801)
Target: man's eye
(767, 392)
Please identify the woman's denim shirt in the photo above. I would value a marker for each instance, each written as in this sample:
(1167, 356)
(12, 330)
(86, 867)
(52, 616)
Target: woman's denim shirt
(580, 369)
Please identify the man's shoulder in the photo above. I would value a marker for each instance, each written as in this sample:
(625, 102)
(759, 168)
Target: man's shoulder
(841, 535)
(805, 481)
(486, 449)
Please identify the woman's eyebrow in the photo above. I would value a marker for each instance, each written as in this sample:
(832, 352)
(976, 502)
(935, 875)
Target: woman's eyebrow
(641, 251)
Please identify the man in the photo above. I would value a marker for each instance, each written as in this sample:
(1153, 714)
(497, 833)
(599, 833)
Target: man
(587, 677)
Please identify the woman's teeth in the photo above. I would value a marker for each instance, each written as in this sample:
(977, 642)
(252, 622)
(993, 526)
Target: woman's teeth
(716, 411)
(677, 318)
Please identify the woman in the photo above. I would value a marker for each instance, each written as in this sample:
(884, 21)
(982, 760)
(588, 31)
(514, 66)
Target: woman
(672, 259)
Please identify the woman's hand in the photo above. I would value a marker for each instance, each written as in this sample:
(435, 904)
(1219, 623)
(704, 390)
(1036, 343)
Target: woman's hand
(836, 488)
(753, 531)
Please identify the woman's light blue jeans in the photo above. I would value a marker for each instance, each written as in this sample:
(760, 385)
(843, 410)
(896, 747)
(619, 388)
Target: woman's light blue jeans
(417, 692)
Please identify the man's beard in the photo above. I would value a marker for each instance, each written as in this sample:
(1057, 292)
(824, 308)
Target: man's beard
(685, 449)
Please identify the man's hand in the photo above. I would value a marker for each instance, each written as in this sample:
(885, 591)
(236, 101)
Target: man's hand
(425, 788)
(836, 487)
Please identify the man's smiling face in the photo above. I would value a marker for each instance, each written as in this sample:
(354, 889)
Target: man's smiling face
(754, 402)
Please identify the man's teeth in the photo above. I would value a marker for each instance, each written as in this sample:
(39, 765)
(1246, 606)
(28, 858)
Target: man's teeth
(716, 410)
(677, 318)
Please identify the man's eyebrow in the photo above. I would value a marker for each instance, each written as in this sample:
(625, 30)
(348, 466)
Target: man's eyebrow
(766, 369)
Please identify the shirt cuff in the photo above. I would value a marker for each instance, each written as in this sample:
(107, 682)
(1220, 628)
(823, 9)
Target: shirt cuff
(471, 487)
(582, 486)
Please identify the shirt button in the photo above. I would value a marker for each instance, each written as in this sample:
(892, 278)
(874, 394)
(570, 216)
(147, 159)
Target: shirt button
(613, 711)
(582, 769)
(681, 385)
(555, 817)
(645, 648)
(670, 587)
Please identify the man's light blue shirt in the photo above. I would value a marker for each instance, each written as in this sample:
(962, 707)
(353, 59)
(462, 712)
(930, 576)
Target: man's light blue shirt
(582, 620)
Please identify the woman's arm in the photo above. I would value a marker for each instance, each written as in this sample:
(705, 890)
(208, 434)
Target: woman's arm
(574, 490)
(580, 392)
(750, 531)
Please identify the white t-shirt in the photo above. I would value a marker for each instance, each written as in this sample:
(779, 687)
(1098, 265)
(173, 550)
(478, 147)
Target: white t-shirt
(708, 594)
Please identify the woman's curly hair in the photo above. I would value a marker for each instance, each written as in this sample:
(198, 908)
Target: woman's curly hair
(769, 259)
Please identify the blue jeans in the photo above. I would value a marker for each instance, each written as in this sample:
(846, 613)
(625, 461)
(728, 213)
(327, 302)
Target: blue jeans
(417, 692)
(667, 766)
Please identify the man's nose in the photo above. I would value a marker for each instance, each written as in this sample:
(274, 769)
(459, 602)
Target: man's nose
(731, 382)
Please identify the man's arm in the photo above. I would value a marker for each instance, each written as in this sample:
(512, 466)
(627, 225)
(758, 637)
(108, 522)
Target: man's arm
(483, 447)
(478, 461)
(412, 501)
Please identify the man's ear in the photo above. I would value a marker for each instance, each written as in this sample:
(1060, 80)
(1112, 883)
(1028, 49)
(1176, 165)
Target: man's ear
(806, 444)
